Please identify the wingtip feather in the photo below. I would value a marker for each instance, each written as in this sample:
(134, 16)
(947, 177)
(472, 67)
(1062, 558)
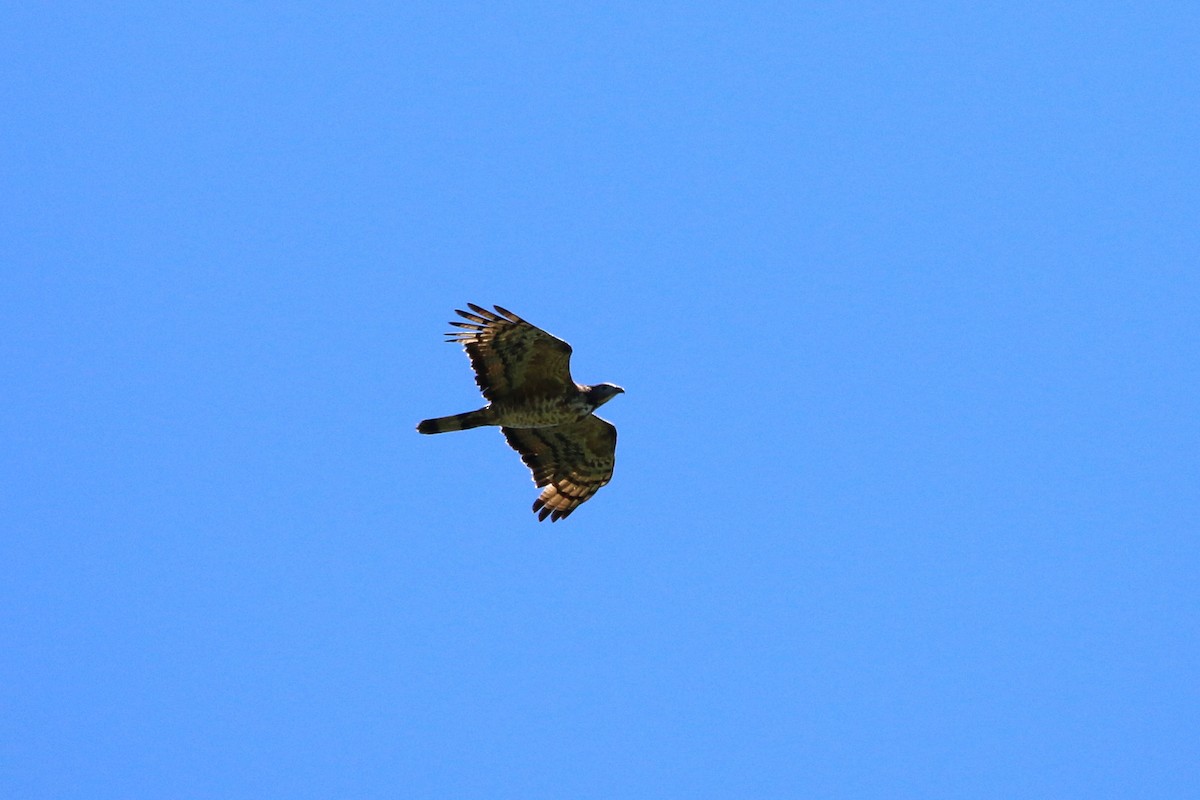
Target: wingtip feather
(511, 316)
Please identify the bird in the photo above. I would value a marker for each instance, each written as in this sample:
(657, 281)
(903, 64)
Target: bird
(525, 375)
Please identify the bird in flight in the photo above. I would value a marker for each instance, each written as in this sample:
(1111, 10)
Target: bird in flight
(525, 375)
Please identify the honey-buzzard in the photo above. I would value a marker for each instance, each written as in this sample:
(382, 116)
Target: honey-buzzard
(525, 374)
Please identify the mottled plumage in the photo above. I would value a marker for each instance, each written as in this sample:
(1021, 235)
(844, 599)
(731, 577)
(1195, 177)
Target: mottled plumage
(525, 374)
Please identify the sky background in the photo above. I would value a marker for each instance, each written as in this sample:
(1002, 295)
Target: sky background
(905, 298)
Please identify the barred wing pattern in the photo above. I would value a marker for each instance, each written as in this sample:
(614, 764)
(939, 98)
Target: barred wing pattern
(513, 360)
(572, 461)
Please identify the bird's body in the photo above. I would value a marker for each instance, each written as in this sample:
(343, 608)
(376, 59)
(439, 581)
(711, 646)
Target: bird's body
(535, 412)
(546, 417)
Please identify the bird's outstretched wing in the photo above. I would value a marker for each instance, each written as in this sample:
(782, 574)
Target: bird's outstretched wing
(572, 461)
(513, 360)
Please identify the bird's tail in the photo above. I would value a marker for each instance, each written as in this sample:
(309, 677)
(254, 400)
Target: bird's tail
(457, 422)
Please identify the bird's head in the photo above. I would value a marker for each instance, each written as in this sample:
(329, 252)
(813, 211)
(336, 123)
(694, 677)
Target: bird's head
(601, 393)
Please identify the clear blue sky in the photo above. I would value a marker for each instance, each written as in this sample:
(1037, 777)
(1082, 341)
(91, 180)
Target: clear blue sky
(906, 301)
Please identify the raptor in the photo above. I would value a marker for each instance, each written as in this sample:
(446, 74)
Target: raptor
(525, 375)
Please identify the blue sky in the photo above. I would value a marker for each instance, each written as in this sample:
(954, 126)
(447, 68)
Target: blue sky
(905, 301)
